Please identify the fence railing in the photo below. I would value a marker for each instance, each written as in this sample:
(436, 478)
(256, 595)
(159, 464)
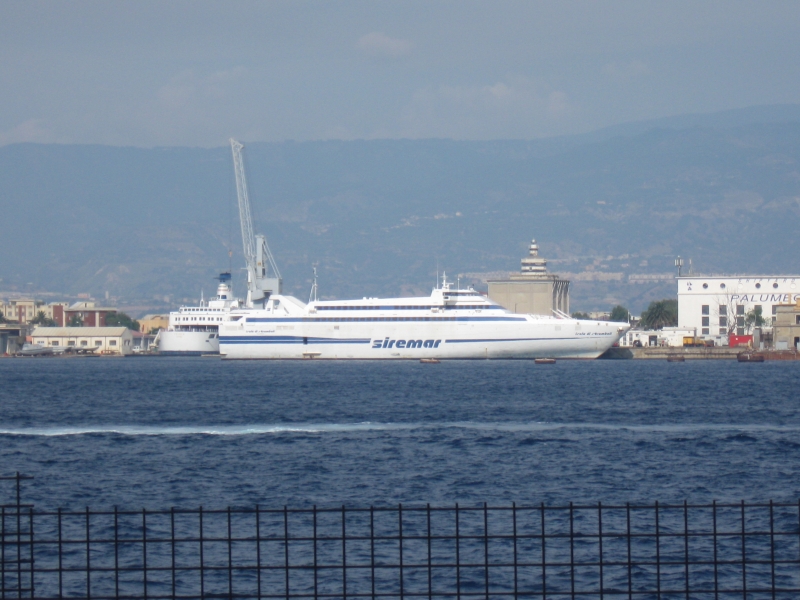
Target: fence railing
(654, 551)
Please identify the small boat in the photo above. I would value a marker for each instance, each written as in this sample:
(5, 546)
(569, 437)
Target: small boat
(676, 358)
(544, 361)
(750, 357)
(430, 361)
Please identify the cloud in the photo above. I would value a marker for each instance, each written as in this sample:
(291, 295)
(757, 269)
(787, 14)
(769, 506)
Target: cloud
(626, 71)
(31, 130)
(188, 87)
(515, 108)
(380, 44)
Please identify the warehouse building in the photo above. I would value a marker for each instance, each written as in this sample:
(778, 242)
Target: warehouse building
(716, 307)
(100, 340)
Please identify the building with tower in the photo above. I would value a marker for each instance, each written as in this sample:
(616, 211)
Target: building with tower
(533, 290)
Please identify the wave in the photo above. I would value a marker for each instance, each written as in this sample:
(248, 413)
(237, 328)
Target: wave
(322, 428)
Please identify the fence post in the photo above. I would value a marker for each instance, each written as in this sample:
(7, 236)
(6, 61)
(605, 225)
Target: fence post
(486, 549)
(686, 547)
(630, 558)
(544, 558)
(744, 559)
(430, 560)
(658, 556)
(600, 546)
(716, 564)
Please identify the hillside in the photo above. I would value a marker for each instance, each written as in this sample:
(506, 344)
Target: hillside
(377, 217)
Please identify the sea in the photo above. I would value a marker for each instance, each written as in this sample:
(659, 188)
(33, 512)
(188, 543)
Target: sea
(158, 432)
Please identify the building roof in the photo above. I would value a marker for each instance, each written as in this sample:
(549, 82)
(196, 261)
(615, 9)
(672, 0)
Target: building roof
(151, 317)
(78, 331)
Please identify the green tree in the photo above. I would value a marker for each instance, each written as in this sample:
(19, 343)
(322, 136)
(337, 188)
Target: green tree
(619, 314)
(75, 321)
(3, 318)
(581, 316)
(660, 314)
(120, 319)
(754, 319)
(43, 320)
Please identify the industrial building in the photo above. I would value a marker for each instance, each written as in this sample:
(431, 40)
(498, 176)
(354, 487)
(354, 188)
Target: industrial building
(716, 307)
(101, 340)
(533, 290)
(150, 322)
(786, 329)
(23, 310)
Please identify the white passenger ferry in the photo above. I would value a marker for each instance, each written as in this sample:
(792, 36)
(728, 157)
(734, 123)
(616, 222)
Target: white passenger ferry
(194, 330)
(454, 324)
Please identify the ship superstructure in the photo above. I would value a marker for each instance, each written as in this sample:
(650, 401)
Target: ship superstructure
(448, 324)
(194, 330)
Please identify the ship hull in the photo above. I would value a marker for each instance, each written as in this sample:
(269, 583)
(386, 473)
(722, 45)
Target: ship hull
(520, 339)
(188, 343)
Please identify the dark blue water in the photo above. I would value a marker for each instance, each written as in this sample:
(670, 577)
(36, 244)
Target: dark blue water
(157, 432)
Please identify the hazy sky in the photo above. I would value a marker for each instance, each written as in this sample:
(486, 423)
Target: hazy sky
(195, 73)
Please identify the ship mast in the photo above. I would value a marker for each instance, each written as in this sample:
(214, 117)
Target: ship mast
(257, 255)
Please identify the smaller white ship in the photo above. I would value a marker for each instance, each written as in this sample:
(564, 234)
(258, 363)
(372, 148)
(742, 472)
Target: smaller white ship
(194, 330)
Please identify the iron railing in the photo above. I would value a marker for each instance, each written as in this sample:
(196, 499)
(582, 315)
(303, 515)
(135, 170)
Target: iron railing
(654, 551)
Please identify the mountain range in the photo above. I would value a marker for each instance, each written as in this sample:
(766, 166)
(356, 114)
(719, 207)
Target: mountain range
(612, 209)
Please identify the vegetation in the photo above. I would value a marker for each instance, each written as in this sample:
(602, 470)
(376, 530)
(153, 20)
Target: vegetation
(619, 314)
(120, 319)
(581, 315)
(75, 321)
(3, 318)
(43, 320)
(754, 319)
(660, 314)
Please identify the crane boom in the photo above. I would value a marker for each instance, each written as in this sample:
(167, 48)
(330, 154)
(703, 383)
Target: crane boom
(257, 255)
(245, 216)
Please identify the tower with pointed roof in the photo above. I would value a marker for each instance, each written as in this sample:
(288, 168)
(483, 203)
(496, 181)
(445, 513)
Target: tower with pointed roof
(533, 290)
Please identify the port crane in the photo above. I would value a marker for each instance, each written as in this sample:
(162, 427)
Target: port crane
(263, 277)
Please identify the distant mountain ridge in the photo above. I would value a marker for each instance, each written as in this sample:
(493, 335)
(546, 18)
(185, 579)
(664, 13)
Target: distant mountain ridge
(377, 217)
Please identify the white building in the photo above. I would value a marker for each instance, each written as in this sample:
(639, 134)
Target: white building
(716, 306)
(106, 340)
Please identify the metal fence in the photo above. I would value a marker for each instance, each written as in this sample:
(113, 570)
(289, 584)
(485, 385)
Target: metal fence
(658, 551)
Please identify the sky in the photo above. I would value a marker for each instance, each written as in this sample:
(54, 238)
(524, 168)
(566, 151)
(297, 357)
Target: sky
(194, 73)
